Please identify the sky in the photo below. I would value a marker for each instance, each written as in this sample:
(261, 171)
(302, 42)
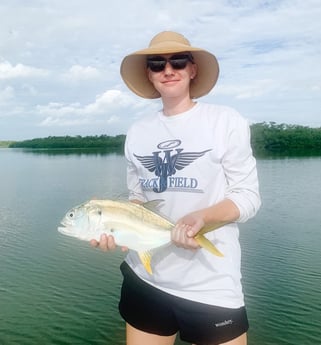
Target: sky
(59, 61)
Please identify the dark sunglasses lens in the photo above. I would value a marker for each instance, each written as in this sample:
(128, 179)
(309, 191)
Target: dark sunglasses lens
(178, 62)
(156, 65)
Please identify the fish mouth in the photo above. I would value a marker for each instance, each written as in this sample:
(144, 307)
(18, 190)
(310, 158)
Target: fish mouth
(64, 230)
(64, 227)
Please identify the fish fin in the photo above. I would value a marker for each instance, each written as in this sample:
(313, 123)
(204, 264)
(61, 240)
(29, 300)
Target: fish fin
(152, 205)
(207, 244)
(211, 227)
(145, 258)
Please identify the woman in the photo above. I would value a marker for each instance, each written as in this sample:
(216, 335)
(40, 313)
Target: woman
(197, 158)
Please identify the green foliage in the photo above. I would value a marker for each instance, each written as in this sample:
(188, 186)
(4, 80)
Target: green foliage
(266, 138)
(282, 138)
(4, 144)
(69, 142)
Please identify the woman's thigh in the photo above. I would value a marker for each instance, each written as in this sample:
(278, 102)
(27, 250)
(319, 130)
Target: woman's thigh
(137, 337)
(241, 340)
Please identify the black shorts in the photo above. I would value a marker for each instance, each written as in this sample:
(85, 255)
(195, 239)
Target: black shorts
(153, 311)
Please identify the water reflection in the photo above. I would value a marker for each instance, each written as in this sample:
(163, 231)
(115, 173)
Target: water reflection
(73, 152)
(294, 153)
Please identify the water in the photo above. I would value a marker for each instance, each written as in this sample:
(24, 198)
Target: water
(58, 290)
(281, 255)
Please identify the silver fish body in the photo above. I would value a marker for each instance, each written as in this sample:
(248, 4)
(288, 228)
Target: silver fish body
(132, 225)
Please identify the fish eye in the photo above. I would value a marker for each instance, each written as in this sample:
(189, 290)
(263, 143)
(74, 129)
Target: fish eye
(71, 214)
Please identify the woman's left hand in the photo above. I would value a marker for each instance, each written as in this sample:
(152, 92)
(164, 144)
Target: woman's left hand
(185, 229)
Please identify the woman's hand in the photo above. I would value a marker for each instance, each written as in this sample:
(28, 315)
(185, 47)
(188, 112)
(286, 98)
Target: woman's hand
(106, 243)
(186, 228)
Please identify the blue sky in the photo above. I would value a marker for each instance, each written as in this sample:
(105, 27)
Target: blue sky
(59, 60)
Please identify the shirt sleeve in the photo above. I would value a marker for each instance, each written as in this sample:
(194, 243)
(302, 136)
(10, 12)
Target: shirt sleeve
(240, 170)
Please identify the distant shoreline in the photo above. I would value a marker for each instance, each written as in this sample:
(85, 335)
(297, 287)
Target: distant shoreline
(72, 142)
(6, 144)
(266, 139)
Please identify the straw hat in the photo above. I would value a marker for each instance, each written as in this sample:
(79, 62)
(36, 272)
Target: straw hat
(133, 68)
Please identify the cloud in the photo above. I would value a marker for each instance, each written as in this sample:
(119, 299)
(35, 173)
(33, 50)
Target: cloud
(254, 89)
(108, 108)
(8, 71)
(78, 73)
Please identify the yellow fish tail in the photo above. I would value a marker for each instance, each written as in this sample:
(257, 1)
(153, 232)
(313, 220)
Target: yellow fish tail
(211, 227)
(207, 244)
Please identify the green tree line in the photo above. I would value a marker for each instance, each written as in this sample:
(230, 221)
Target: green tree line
(73, 142)
(283, 138)
(266, 138)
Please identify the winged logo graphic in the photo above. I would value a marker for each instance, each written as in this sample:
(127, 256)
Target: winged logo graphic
(168, 166)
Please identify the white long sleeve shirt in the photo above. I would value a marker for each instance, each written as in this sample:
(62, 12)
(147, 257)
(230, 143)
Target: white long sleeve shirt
(191, 161)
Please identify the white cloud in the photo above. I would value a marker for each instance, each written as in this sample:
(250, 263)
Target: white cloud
(109, 100)
(78, 73)
(8, 71)
(103, 103)
(108, 108)
(254, 89)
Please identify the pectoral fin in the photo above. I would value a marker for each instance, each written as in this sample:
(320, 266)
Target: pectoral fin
(145, 258)
(207, 244)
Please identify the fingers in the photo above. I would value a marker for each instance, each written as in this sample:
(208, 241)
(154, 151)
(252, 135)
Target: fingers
(94, 243)
(105, 243)
(180, 236)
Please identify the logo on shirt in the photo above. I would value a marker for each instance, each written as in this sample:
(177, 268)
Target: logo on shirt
(165, 163)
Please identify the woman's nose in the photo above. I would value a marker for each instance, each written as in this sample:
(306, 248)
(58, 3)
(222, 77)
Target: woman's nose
(168, 70)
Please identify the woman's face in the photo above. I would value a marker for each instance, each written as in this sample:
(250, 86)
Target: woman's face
(171, 82)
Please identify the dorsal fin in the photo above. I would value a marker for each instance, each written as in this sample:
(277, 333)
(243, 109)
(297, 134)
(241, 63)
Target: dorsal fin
(152, 205)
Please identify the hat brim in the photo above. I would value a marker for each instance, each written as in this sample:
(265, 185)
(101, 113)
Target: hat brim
(133, 70)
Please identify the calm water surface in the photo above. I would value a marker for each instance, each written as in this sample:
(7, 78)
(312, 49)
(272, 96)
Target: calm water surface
(58, 290)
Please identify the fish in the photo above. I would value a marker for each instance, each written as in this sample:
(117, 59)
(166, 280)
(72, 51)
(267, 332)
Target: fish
(138, 227)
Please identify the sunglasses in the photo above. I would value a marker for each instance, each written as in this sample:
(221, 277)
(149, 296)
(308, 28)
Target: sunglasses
(178, 61)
